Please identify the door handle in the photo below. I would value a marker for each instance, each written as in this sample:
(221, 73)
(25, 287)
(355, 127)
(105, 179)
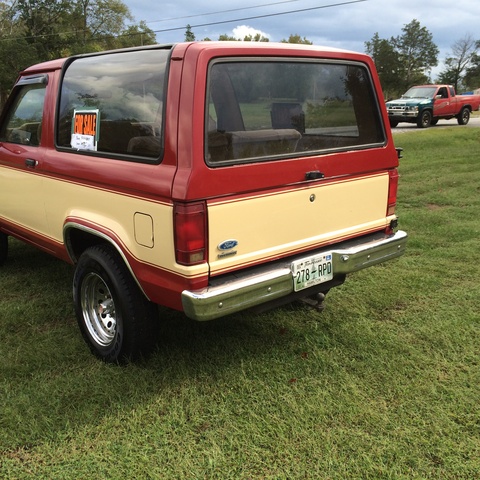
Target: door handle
(30, 162)
(314, 175)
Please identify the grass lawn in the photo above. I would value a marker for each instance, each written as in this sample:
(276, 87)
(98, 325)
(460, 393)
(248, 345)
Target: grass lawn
(384, 384)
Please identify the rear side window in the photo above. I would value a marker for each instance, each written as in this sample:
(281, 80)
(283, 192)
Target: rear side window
(113, 104)
(261, 110)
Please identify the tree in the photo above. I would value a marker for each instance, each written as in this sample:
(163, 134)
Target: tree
(463, 51)
(15, 55)
(15, 52)
(388, 65)
(189, 35)
(417, 52)
(404, 60)
(136, 35)
(43, 23)
(98, 25)
(297, 39)
(258, 37)
(472, 75)
(33, 31)
(60, 28)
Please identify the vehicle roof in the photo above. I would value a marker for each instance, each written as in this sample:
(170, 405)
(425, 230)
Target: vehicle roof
(45, 66)
(272, 48)
(228, 46)
(263, 46)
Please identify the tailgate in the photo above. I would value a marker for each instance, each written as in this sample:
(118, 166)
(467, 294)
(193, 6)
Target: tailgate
(253, 229)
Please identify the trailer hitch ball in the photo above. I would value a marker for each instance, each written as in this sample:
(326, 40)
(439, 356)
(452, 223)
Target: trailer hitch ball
(315, 301)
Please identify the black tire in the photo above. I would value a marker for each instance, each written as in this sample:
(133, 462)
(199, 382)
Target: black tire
(393, 123)
(424, 119)
(116, 320)
(3, 247)
(434, 122)
(464, 116)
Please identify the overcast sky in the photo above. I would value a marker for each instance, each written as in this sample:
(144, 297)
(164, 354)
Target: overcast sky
(336, 23)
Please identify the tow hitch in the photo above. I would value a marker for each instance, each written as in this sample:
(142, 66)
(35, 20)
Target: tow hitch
(316, 301)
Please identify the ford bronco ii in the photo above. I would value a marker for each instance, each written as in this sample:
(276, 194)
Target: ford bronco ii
(207, 177)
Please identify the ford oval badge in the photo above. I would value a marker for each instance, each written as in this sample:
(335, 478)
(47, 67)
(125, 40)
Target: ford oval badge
(228, 245)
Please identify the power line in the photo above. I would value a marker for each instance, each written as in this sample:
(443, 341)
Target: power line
(220, 22)
(220, 12)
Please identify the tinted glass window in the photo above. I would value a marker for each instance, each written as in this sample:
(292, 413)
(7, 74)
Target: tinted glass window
(259, 110)
(24, 122)
(113, 103)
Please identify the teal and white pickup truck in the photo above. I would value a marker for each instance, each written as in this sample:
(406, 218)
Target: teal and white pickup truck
(425, 105)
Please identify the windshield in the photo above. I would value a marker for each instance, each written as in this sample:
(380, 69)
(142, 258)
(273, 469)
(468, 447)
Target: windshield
(420, 92)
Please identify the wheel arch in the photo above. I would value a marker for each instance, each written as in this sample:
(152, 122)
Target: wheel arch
(421, 113)
(426, 109)
(78, 238)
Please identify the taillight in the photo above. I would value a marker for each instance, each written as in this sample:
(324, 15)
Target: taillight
(392, 191)
(190, 233)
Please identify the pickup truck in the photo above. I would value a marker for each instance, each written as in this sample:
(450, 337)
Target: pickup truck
(425, 105)
(206, 177)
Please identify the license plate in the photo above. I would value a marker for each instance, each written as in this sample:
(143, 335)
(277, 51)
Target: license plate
(311, 271)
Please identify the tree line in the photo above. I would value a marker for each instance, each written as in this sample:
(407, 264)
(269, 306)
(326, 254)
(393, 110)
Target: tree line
(408, 59)
(33, 31)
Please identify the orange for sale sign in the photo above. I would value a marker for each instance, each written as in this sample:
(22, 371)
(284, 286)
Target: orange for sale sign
(85, 129)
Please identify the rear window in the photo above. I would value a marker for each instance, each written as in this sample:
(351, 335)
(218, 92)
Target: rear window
(261, 110)
(113, 104)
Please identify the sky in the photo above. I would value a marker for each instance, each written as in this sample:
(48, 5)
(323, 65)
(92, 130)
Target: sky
(334, 23)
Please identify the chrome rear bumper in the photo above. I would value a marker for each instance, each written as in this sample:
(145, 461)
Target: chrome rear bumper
(275, 280)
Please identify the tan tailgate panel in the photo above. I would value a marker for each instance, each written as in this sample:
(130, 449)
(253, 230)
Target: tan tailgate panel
(283, 223)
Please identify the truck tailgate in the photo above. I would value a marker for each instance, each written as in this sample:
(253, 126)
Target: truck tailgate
(252, 229)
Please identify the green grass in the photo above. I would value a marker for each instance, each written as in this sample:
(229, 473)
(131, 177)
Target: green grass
(333, 114)
(384, 384)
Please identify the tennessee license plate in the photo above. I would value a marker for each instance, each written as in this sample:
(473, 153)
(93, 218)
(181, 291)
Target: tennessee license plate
(311, 271)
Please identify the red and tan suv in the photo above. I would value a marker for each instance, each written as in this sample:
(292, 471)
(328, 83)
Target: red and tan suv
(205, 177)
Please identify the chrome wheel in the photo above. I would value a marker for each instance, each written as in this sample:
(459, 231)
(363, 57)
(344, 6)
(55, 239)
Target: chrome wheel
(98, 309)
(116, 320)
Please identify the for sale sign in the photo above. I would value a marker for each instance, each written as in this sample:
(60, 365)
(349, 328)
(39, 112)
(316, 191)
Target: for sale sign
(85, 129)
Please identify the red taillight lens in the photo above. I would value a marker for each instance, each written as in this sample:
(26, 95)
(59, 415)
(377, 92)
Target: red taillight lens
(190, 233)
(392, 191)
